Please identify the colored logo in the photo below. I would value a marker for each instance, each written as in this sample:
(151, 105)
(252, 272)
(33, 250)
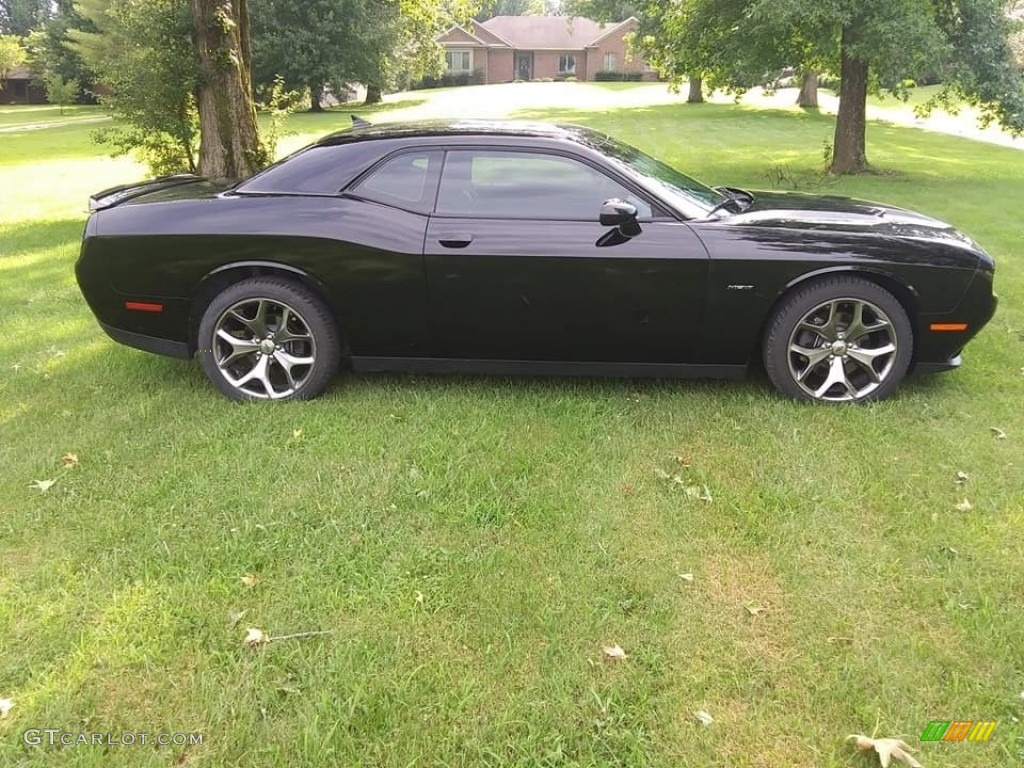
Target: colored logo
(958, 730)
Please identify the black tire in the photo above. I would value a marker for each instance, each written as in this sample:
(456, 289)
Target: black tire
(846, 361)
(289, 352)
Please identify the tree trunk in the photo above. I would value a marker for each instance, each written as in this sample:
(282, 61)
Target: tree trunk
(848, 149)
(229, 146)
(808, 98)
(316, 93)
(696, 95)
(373, 95)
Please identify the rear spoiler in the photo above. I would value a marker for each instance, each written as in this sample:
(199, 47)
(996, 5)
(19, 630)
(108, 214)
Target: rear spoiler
(108, 198)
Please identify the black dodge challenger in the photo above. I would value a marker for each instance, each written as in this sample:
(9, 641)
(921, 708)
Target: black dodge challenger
(509, 247)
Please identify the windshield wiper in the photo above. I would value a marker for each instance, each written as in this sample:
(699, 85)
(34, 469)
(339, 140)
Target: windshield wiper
(737, 196)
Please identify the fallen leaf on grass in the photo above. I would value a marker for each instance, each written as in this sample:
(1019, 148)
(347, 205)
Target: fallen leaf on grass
(755, 610)
(703, 717)
(296, 434)
(42, 485)
(843, 640)
(964, 506)
(961, 478)
(686, 576)
(419, 597)
(887, 749)
(255, 637)
(69, 460)
(5, 707)
(699, 492)
(1000, 434)
(614, 652)
(250, 579)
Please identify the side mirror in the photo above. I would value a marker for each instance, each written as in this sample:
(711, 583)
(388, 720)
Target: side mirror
(621, 215)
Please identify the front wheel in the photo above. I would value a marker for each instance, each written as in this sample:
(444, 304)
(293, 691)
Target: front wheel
(267, 338)
(840, 340)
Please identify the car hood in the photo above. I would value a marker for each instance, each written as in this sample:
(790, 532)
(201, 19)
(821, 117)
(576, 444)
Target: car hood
(843, 214)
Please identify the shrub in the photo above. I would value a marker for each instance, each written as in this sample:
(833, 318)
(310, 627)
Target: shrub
(450, 79)
(614, 75)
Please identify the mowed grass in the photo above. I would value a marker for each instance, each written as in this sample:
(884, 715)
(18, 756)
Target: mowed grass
(472, 544)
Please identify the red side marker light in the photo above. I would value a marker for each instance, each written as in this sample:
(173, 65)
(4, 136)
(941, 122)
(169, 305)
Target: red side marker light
(143, 306)
(948, 326)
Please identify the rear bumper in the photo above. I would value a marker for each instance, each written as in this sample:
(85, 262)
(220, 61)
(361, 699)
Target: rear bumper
(152, 344)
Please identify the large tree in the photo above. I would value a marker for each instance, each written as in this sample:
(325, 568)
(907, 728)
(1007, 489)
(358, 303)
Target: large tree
(19, 17)
(872, 44)
(230, 145)
(880, 43)
(49, 46)
(318, 45)
(12, 55)
(491, 8)
(143, 53)
(179, 73)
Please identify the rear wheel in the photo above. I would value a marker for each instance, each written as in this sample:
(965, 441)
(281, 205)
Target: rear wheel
(269, 339)
(843, 339)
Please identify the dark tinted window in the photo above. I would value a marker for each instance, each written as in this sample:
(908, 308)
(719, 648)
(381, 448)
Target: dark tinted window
(315, 170)
(404, 181)
(526, 185)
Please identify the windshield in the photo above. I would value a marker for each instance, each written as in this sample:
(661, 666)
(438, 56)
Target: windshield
(665, 178)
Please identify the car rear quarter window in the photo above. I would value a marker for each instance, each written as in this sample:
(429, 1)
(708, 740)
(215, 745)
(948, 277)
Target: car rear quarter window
(322, 169)
(527, 185)
(407, 180)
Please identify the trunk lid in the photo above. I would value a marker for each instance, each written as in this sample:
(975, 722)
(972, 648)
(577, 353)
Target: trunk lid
(182, 186)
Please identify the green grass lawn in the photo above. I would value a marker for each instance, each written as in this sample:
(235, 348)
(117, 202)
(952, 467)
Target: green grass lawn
(42, 114)
(472, 544)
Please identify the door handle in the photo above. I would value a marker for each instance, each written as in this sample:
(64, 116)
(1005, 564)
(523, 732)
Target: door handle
(455, 240)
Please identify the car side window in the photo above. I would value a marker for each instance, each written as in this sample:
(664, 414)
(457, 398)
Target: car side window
(527, 185)
(408, 181)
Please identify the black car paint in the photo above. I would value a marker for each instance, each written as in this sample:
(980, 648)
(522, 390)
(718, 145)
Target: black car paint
(688, 295)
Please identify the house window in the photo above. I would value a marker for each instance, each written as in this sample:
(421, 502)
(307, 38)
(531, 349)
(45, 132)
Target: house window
(459, 61)
(566, 64)
(611, 62)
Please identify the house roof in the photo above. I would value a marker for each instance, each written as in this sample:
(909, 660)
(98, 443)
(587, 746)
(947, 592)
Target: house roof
(459, 34)
(19, 73)
(559, 32)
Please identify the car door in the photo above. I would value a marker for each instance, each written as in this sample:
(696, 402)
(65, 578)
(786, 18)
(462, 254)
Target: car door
(518, 266)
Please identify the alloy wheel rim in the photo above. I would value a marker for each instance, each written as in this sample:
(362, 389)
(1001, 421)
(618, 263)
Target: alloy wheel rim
(842, 350)
(264, 348)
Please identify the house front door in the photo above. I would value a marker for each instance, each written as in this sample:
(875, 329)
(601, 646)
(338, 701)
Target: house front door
(524, 66)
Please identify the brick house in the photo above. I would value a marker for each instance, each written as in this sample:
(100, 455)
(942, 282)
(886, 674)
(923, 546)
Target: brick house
(508, 48)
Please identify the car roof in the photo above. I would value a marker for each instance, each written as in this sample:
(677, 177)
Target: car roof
(467, 127)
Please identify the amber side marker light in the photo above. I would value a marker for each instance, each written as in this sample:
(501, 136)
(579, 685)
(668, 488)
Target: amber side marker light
(143, 306)
(948, 326)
